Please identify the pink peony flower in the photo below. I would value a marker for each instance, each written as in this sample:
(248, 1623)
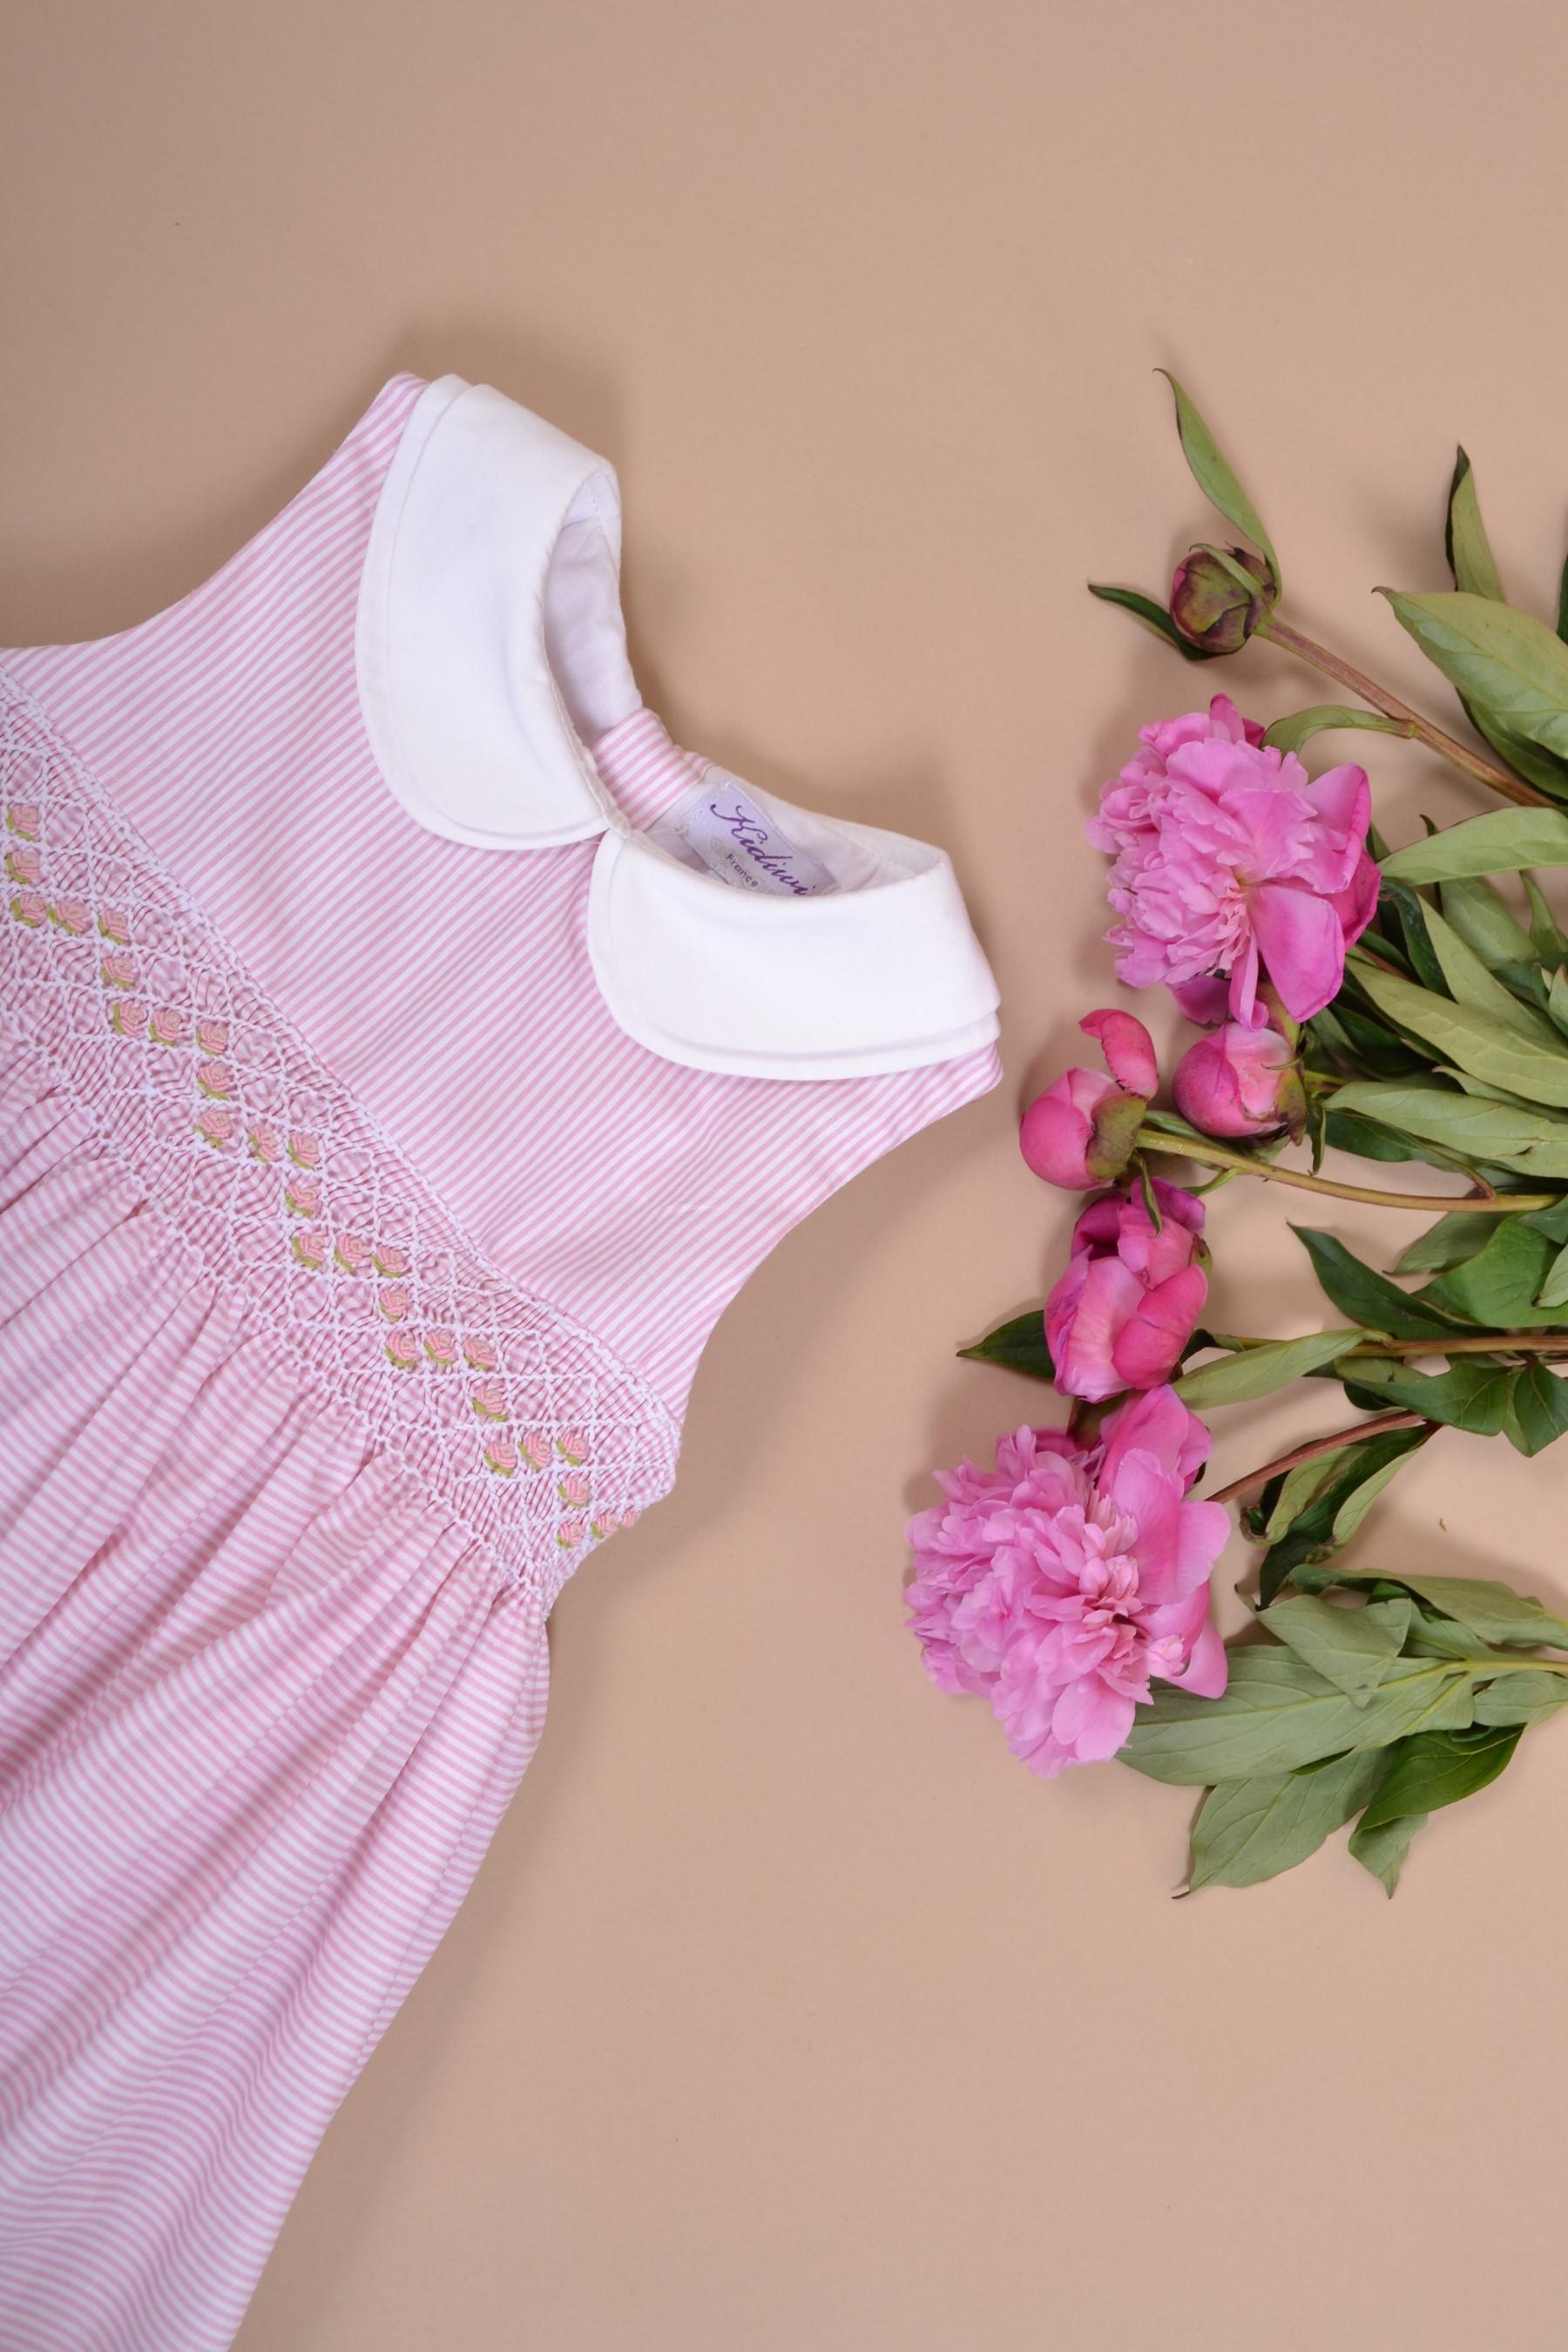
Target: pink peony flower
(573, 1488)
(212, 1036)
(129, 1016)
(304, 1149)
(536, 1449)
(216, 1079)
(441, 1347)
(390, 1260)
(114, 925)
(217, 1126)
(1229, 860)
(488, 1401)
(302, 1194)
(264, 1143)
(30, 908)
(479, 1355)
(1061, 1582)
(23, 865)
(23, 817)
(1080, 1132)
(166, 1027)
(403, 1349)
(118, 971)
(501, 1456)
(1127, 1305)
(1240, 1081)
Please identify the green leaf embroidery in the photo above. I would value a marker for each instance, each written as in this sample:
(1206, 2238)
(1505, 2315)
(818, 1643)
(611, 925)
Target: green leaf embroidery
(1249, 1831)
(1018, 1347)
(1257, 1371)
(1506, 660)
(1214, 477)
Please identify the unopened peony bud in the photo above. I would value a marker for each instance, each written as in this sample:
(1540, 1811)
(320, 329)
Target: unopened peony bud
(1209, 604)
(1082, 1131)
(1240, 1081)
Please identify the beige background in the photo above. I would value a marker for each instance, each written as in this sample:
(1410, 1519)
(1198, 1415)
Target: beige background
(788, 2012)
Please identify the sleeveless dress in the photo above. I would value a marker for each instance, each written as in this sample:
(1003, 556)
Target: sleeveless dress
(406, 1051)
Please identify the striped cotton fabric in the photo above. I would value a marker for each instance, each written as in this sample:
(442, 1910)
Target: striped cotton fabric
(354, 1268)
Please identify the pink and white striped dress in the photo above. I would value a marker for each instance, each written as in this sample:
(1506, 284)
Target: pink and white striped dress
(404, 1053)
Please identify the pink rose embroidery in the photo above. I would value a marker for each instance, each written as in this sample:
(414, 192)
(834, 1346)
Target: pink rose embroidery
(166, 1027)
(403, 1349)
(29, 908)
(352, 1254)
(304, 1149)
(479, 1355)
(216, 1126)
(23, 865)
(264, 1143)
(114, 925)
(573, 1489)
(129, 1016)
(302, 1196)
(390, 1260)
(569, 1534)
(536, 1448)
(602, 1524)
(488, 1401)
(573, 1445)
(212, 1036)
(23, 818)
(441, 1347)
(501, 1456)
(310, 1249)
(72, 915)
(393, 1302)
(118, 971)
(628, 1518)
(216, 1079)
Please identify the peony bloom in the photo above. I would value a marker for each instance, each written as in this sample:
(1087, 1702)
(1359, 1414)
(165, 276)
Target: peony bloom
(1060, 1583)
(1230, 861)
(1127, 1305)
(1080, 1132)
(1240, 1081)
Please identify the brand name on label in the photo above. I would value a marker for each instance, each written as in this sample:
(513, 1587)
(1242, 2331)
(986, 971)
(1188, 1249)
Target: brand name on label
(733, 838)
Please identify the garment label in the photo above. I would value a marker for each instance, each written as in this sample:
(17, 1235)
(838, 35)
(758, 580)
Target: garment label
(729, 833)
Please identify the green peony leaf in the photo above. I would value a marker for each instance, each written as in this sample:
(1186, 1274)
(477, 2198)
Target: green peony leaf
(1471, 982)
(1553, 1290)
(1504, 840)
(1214, 477)
(1252, 1829)
(1465, 537)
(1449, 1242)
(1277, 1713)
(1475, 910)
(1433, 1768)
(1537, 1409)
(1314, 1532)
(1474, 1393)
(1527, 1141)
(1481, 1605)
(1290, 734)
(1377, 1304)
(1497, 1287)
(1383, 1851)
(1506, 661)
(1526, 1698)
(1475, 1041)
(1349, 1647)
(1018, 1347)
(1257, 1371)
(1155, 616)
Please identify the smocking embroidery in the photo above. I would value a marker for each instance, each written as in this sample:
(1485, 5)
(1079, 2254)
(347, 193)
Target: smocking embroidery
(535, 1435)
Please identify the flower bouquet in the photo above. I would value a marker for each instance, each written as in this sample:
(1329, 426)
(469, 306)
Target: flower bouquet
(1398, 1006)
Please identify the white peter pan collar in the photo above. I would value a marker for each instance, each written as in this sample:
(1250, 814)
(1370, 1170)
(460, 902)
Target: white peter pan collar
(490, 651)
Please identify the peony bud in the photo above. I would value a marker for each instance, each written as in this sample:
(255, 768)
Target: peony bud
(1210, 607)
(1083, 1131)
(1241, 1081)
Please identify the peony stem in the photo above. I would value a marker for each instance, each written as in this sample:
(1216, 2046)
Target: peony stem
(1216, 1155)
(1486, 771)
(1483, 1343)
(1376, 1426)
